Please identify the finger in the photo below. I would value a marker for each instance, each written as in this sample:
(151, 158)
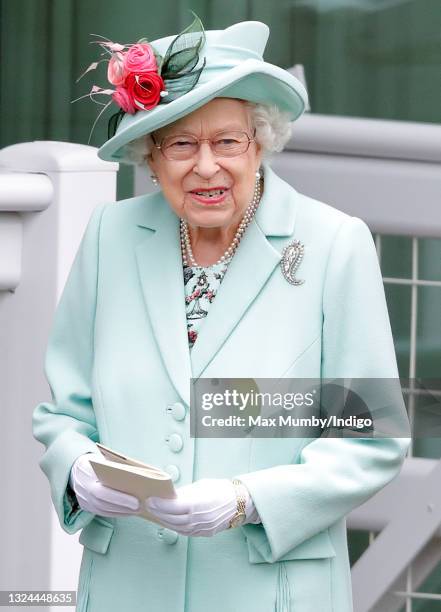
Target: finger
(208, 527)
(171, 519)
(178, 528)
(204, 533)
(116, 498)
(211, 522)
(82, 493)
(89, 500)
(85, 468)
(88, 506)
(170, 506)
(103, 506)
(111, 513)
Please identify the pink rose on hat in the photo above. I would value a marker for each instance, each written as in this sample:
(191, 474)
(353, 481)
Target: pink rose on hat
(123, 98)
(140, 58)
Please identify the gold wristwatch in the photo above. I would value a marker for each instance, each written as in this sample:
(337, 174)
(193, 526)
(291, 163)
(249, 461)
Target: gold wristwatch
(241, 496)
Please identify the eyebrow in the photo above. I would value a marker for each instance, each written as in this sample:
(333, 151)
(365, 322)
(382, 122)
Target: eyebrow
(228, 128)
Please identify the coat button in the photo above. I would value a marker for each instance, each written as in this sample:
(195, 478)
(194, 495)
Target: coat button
(173, 470)
(167, 535)
(175, 442)
(170, 536)
(178, 411)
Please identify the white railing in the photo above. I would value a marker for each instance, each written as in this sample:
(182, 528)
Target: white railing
(47, 193)
(19, 192)
(385, 172)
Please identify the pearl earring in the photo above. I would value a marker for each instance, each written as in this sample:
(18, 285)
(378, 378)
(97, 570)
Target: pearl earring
(257, 175)
(155, 179)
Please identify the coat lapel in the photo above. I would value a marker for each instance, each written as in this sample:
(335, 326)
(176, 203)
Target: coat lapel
(160, 268)
(252, 265)
(159, 262)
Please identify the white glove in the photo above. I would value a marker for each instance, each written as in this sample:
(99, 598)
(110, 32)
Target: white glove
(202, 508)
(93, 496)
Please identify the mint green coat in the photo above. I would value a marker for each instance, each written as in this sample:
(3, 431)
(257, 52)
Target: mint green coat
(119, 366)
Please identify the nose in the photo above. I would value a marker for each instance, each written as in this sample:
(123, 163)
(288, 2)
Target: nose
(206, 164)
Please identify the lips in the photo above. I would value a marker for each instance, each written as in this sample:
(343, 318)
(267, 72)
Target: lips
(212, 191)
(215, 193)
(208, 197)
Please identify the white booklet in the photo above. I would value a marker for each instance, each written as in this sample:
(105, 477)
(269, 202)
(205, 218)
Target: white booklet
(125, 474)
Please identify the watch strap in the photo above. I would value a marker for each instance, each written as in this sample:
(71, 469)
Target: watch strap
(241, 498)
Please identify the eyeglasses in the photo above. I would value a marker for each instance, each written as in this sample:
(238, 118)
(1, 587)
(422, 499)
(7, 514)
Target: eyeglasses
(223, 144)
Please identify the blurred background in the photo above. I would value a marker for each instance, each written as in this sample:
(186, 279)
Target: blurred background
(362, 58)
(378, 59)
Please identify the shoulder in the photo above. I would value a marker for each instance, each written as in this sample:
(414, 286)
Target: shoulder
(138, 207)
(141, 210)
(327, 223)
(313, 221)
(318, 213)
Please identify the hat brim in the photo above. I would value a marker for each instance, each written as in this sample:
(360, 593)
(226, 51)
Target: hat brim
(252, 80)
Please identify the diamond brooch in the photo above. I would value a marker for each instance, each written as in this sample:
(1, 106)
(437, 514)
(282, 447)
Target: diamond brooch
(292, 256)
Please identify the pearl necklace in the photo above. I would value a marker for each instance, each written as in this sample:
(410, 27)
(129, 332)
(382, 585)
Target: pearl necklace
(228, 255)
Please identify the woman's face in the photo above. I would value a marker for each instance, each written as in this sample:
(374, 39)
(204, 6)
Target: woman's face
(179, 179)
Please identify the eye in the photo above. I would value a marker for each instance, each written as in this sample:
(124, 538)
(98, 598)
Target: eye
(226, 141)
(229, 141)
(180, 143)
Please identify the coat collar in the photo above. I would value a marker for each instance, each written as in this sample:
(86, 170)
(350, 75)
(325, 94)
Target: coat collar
(159, 263)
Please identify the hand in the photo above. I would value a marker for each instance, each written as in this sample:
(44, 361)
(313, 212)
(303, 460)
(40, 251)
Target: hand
(202, 508)
(94, 497)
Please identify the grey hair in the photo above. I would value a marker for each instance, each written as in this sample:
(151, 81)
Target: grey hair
(273, 131)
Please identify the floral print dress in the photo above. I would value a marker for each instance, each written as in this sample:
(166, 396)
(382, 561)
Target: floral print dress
(201, 286)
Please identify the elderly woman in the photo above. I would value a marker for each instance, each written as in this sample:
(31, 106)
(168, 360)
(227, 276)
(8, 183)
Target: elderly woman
(225, 272)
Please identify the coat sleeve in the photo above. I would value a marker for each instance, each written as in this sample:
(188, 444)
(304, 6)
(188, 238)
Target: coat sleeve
(66, 426)
(335, 475)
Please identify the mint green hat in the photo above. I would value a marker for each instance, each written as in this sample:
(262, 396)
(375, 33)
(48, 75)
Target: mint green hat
(234, 68)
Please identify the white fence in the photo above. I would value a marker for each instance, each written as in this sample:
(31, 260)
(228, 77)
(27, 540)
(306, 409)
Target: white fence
(47, 193)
